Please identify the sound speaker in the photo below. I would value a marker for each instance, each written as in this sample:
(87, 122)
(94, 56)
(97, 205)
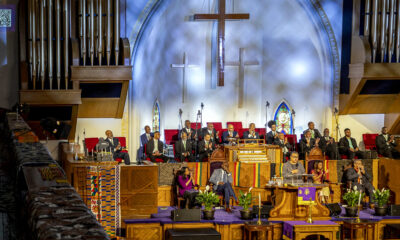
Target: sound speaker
(265, 209)
(394, 210)
(186, 215)
(192, 234)
(334, 209)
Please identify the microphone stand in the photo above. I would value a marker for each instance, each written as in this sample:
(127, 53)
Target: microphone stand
(338, 133)
(294, 129)
(201, 115)
(196, 139)
(180, 119)
(266, 119)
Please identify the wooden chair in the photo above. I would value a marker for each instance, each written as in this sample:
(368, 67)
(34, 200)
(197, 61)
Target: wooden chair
(314, 155)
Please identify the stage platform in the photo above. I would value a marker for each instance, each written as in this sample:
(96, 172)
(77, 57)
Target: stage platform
(231, 226)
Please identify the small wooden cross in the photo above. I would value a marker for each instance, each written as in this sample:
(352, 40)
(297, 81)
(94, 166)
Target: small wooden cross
(221, 17)
(184, 66)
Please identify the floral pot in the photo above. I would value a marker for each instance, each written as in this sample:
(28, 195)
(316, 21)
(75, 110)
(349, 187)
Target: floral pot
(380, 211)
(351, 211)
(208, 214)
(246, 214)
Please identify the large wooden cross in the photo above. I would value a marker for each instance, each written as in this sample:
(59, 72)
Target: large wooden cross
(221, 17)
(241, 64)
(184, 66)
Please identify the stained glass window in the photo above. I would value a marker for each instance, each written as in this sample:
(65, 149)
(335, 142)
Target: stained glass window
(283, 118)
(156, 116)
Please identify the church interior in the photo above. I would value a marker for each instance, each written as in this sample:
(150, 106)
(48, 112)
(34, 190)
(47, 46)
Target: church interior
(193, 119)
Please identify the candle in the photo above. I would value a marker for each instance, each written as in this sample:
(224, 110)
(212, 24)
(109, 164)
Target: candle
(359, 199)
(259, 200)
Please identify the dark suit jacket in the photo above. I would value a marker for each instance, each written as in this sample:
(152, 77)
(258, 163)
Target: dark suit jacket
(303, 145)
(344, 144)
(143, 138)
(246, 135)
(269, 138)
(202, 147)
(179, 148)
(225, 136)
(352, 176)
(282, 145)
(112, 145)
(192, 130)
(317, 134)
(381, 145)
(150, 147)
(214, 136)
(323, 143)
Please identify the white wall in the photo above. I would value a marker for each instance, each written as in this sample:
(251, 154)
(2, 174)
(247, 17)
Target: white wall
(96, 127)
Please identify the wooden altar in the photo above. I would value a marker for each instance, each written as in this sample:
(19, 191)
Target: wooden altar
(262, 152)
(287, 209)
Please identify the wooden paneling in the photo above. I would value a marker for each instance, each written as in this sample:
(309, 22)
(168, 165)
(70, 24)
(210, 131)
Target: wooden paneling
(144, 231)
(99, 108)
(50, 97)
(100, 73)
(165, 196)
(389, 177)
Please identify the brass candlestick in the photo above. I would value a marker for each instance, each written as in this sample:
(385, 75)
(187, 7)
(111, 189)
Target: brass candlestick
(358, 220)
(259, 216)
(309, 219)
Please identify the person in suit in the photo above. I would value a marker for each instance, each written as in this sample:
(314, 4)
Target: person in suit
(144, 139)
(206, 147)
(222, 180)
(292, 168)
(155, 147)
(115, 148)
(314, 132)
(357, 176)
(190, 132)
(282, 142)
(385, 144)
(183, 149)
(251, 134)
(328, 145)
(230, 135)
(273, 134)
(348, 146)
(307, 143)
(214, 135)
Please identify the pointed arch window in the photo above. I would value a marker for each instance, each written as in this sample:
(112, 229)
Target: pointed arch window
(283, 118)
(156, 116)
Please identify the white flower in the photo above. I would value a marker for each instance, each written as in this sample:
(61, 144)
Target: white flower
(245, 194)
(250, 189)
(355, 188)
(200, 191)
(207, 188)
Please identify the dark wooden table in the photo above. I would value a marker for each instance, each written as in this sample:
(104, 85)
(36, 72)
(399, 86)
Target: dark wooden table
(250, 227)
(364, 225)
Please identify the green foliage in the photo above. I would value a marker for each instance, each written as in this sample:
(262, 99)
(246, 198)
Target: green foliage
(352, 197)
(382, 196)
(245, 199)
(208, 198)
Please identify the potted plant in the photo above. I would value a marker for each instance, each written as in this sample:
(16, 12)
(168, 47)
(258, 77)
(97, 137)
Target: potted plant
(208, 199)
(352, 197)
(245, 200)
(381, 198)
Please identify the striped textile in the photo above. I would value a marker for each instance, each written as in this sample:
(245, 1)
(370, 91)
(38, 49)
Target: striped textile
(198, 170)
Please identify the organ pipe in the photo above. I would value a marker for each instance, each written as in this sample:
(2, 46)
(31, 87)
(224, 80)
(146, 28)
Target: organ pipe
(42, 43)
(374, 29)
(33, 26)
(116, 31)
(108, 39)
(50, 41)
(382, 41)
(66, 42)
(92, 31)
(390, 30)
(100, 31)
(58, 42)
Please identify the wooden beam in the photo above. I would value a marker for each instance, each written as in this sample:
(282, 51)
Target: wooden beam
(122, 100)
(101, 73)
(99, 108)
(50, 97)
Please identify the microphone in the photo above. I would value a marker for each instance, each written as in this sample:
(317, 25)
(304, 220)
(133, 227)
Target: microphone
(180, 112)
(202, 105)
(267, 104)
(293, 112)
(198, 113)
(336, 110)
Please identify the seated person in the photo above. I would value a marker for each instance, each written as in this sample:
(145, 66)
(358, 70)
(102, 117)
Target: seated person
(230, 136)
(206, 147)
(144, 139)
(385, 144)
(314, 132)
(328, 145)
(214, 135)
(222, 180)
(348, 146)
(183, 149)
(357, 176)
(319, 176)
(190, 132)
(292, 168)
(251, 134)
(273, 134)
(115, 148)
(186, 187)
(282, 142)
(307, 143)
(155, 148)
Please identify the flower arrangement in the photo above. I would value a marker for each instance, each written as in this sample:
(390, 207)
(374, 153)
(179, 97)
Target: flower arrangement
(382, 196)
(245, 199)
(208, 198)
(352, 196)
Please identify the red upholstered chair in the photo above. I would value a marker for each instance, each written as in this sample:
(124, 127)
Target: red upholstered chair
(261, 132)
(91, 145)
(369, 141)
(148, 159)
(236, 125)
(292, 139)
(195, 126)
(241, 131)
(171, 136)
(346, 157)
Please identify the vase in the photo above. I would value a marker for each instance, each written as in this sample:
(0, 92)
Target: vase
(351, 211)
(246, 214)
(208, 214)
(380, 211)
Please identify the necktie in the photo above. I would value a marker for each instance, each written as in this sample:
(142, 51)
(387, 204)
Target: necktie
(312, 134)
(184, 145)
